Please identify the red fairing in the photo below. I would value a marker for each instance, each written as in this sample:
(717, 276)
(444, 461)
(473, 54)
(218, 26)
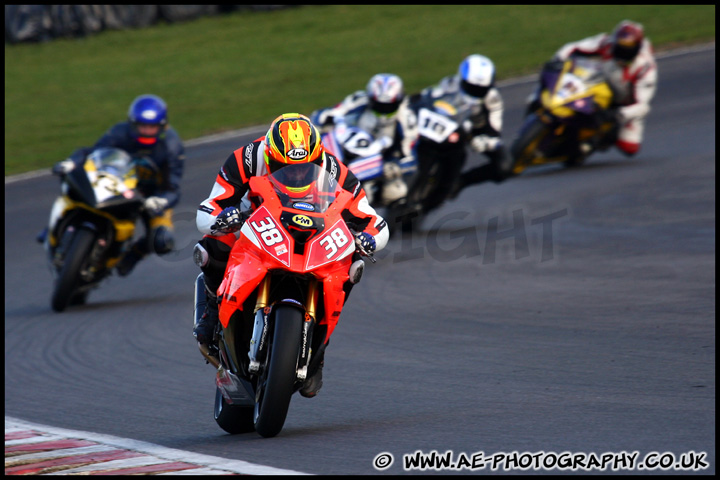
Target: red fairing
(266, 245)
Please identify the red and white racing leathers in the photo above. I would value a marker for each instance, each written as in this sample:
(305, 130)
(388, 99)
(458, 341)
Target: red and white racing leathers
(231, 185)
(638, 82)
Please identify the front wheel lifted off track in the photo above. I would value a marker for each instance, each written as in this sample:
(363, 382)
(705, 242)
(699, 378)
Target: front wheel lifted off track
(275, 386)
(69, 277)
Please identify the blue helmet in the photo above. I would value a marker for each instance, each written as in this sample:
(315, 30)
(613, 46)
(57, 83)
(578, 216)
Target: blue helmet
(147, 110)
(477, 75)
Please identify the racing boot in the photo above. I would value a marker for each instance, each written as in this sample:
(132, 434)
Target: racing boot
(130, 259)
(204, 329)
(312, 385)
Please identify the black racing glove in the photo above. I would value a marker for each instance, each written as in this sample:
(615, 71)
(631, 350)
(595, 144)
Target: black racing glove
(230, 220)
(366, 242)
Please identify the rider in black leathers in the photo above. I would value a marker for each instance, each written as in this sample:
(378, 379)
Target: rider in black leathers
(147, 134)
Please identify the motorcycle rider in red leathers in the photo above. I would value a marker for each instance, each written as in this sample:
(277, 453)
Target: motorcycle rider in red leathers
(632, 54)
(292, 139)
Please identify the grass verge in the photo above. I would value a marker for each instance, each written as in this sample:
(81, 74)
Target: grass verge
(242, 69)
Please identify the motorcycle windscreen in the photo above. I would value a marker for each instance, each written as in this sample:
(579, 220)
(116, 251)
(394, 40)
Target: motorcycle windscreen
(580, 87)
(306, 184)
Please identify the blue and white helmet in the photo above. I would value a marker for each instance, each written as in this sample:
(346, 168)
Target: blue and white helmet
(147, 110)
(477, 76)
(385, 92)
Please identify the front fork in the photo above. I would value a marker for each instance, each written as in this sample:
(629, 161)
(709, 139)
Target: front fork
(258, 342)
(307, 330)
(256, 354)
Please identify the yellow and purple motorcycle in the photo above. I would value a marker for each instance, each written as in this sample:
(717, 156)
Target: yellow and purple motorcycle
(572, 116)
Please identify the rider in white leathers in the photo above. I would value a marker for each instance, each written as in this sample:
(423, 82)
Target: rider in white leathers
(382, 111)
(473, 90)
(628, 51)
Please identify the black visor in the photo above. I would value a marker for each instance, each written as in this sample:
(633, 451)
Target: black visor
(384, 108)
(274, 165)
(627, 54)
(474, 90)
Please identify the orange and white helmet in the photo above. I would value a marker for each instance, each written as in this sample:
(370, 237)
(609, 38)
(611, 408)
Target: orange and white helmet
(291, 140)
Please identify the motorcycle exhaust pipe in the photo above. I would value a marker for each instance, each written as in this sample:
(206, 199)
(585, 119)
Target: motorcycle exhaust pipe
(212, 360)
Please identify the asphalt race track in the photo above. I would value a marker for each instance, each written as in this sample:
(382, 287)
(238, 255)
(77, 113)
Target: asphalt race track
(566, 310)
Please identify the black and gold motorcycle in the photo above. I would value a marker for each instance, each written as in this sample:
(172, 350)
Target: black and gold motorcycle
(91, 223)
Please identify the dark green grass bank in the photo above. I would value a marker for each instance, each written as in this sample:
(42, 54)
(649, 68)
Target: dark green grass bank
(243, 69)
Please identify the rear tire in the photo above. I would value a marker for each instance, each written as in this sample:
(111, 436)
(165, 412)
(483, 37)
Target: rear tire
(275, 386)
(233, 419)
(69, 278)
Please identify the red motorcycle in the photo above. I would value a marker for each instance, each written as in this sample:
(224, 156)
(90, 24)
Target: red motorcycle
(282, 295)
